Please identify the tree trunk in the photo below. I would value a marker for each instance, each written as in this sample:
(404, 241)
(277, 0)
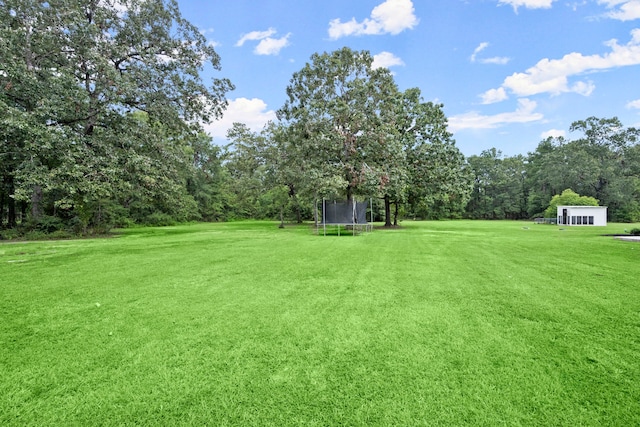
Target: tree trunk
(11, 202)
(387, 211)
(23, 211)
(315, 210)
(298, 210)
(2, 198)
(11, 212)
(395, 215)
(36, 201)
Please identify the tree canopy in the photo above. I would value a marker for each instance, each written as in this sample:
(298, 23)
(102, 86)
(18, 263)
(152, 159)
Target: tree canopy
(99, 105)
(355, 132)
(101, 113)
(601, 163)
(337, 106)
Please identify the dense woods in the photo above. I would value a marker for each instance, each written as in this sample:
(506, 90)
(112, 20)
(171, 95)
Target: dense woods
(101, 108)
(602, 163)
(100, 114)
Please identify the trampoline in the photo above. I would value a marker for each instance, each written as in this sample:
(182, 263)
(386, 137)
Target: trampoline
(345, 214)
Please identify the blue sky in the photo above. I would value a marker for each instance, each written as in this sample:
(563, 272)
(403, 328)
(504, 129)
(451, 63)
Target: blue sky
(509, 72)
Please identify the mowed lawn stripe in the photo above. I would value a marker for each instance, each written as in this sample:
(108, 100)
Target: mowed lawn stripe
(458, 322)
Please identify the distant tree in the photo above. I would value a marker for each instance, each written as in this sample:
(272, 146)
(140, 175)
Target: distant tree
(499, 186)
(440, 183)
(209, 181)
(630, 185)
(600, 164)
(606, 143)
(545, 175)
(288, 174)
(247, 166)
(431, 177)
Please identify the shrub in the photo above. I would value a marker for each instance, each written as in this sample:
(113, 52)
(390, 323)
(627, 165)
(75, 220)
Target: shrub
(159, 219)
(570, 198)
(45, 224)
(10, 234)
(635, 232)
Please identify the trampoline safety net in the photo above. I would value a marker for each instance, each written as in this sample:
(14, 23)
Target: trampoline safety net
(350, 213)
(344, 213)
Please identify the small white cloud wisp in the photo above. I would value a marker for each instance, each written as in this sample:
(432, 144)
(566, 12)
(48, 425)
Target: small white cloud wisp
(267, 45)
(527, 4)
(524, 113)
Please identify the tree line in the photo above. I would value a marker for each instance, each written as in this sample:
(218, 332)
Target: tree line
(101, 106)
(603, 163)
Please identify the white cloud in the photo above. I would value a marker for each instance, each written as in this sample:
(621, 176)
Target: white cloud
(252, 112)
(583, 88)
(494, 95)
(529, 4)
(386, 60)
(495, 60)
(482, 46)
(553, 133)
(255, 35)
(634, 104)
(473, 120)
(389, 17)
(498, 60)
(269, 46)
(552, 75)
(624, 10)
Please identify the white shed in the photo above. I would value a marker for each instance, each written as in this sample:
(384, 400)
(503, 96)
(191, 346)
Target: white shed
(582, 215)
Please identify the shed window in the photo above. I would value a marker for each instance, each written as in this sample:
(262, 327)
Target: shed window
(590, 220)
(579, 220)
(573, 220)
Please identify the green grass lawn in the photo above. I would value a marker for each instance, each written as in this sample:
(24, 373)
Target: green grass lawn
(436, 323)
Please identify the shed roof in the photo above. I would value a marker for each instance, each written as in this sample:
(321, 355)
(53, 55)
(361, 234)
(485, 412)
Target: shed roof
(587, 207)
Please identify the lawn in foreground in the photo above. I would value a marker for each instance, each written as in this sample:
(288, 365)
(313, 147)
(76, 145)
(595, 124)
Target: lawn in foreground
(436, 323)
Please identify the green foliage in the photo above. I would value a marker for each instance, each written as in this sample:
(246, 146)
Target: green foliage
(350, 131)
(97, 110)
(568, 198)
(440, 185)
(604, 163)
(10, 234)
(336, 109)
(635, 232)
(499, 186)
(159, 219)
(45, 224)
(99, 128)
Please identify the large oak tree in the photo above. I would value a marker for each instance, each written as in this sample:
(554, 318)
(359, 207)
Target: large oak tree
(74, 79)
(336, 108)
